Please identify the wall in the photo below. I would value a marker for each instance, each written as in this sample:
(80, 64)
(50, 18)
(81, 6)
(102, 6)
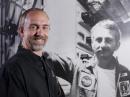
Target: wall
(62, 33)
(123, 53)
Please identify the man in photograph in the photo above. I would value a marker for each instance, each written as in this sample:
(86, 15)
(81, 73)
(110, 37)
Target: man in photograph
(103, 76)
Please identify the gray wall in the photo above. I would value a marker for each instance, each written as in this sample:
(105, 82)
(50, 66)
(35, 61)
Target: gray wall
(62, 33)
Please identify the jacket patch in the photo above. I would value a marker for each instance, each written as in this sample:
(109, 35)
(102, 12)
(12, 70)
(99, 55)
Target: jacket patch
(87, 81)
(124, 87)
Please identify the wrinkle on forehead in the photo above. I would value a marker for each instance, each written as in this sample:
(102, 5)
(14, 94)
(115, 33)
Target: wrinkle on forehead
(37, 18)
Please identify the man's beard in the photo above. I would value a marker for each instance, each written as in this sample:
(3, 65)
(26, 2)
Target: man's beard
(37, 46)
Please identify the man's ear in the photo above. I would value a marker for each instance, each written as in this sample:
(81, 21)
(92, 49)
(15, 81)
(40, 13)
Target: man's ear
(20, 32)
(117, 45)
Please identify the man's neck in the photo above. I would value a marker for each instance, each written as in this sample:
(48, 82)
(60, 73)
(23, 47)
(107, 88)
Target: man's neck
(39, 53)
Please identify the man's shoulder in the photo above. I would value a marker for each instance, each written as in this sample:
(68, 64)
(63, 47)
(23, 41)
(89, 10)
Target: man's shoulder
(15, 61)
(11, 62)
(123, 68)
(12, 59)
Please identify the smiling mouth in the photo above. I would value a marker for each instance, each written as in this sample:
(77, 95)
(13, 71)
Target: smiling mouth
(100, 52)
(39, 37)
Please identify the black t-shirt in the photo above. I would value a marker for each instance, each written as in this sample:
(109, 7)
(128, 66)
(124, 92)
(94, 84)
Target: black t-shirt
(28, 75)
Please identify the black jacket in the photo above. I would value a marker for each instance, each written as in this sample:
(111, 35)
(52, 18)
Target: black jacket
(122, 79)
(28, 75)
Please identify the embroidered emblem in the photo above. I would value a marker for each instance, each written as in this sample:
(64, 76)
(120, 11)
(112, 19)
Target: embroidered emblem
(87, 81)
(123, 74)
(124, 87)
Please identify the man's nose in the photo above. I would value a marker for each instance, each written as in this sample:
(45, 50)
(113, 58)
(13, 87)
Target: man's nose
(102, 44)
(40, 31)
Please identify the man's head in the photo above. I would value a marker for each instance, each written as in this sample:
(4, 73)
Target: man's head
(33, 29)
(105, 37)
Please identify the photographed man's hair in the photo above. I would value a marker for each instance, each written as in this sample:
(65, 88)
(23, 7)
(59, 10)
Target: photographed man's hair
(24, 15)
(107, 24)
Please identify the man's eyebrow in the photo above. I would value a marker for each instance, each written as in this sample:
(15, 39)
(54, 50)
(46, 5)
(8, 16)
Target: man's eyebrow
(40, 25)
(46, 25)
(33, 24)
(98, 37)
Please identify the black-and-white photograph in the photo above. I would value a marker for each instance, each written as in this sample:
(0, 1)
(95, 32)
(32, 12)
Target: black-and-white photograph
(64, 48)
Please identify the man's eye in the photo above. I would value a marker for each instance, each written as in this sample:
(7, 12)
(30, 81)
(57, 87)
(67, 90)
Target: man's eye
(109, 40)
(45, 28)
(99, 40)
(33, 27)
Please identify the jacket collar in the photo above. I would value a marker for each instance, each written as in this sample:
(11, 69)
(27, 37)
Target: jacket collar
(93, 62)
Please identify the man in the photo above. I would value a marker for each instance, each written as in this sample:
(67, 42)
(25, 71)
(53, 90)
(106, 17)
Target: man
(103, 76)
(29, 73)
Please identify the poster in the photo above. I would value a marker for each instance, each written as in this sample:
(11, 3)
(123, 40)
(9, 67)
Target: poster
(74, 16)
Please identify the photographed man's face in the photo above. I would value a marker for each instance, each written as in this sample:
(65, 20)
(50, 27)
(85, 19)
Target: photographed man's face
(35, 33)
(104, 42)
